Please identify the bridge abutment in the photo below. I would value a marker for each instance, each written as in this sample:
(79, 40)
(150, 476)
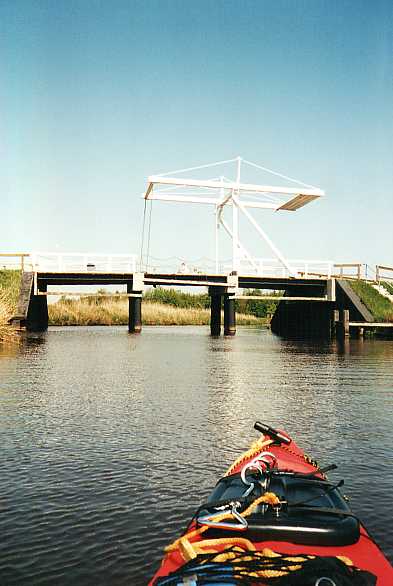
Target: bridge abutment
(303, 319)
(313, 319)
(37, 314)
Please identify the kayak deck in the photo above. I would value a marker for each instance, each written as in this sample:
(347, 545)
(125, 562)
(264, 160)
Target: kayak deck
(275, 499)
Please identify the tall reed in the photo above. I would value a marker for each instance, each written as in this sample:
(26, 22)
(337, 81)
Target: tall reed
(115, 312)
(9, 292)
(7, 333)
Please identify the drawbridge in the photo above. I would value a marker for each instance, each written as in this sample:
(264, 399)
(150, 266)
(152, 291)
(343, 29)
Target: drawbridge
(313, 294)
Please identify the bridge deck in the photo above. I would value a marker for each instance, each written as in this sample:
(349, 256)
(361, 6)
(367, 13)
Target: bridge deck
(83, 278)
(180, 279)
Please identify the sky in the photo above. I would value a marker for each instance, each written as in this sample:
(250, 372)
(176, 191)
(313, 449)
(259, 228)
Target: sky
(95, 96)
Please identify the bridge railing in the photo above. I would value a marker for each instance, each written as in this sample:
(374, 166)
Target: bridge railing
(383, 273)
(128, 263)
(14, 260)
(178, 265)
(299, 268)
(350, 270)
(82, 262)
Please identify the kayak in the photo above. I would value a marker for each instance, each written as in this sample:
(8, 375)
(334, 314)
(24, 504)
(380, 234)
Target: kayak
(274, 518)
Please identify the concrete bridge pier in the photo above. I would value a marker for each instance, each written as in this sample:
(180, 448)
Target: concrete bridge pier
(37, 313)
(215, 310)
(134, 289)
(229, 315)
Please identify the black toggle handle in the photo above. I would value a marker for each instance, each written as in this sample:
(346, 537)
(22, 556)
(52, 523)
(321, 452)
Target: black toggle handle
(273, 433)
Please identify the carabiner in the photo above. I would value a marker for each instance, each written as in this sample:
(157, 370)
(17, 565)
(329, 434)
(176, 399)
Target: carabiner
(208, 520)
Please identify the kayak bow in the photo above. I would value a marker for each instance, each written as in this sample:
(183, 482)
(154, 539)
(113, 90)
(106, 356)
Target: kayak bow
(275, 518)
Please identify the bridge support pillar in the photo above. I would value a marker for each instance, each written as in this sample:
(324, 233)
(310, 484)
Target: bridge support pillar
(135, 314)
(37, 313)
(342, 327)
(229, 316)
(215, 310)
(134, 307)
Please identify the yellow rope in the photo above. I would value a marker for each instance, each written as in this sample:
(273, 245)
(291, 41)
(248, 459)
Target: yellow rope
(190, 550)
(268, 498)
(256, 447)
(292, 562)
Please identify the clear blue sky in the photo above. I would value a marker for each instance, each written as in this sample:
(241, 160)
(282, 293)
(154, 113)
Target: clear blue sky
(97, 95)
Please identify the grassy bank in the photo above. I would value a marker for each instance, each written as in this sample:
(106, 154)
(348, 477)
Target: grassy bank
(9, 291)
(380, 306)
(388, 286)
(115, 312)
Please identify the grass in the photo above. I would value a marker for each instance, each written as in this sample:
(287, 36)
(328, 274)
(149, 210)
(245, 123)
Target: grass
(115, 312)
(9, 285)
(7, 333)
(177, 298)
(160, 307)
(388, 285)
(9, 291)
(259, 308)
(380, 306)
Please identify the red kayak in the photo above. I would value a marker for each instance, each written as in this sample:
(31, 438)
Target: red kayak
(275, 519)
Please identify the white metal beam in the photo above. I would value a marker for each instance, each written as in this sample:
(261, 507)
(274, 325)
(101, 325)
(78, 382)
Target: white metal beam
(156, 179)
(183, 198)
(211, 201)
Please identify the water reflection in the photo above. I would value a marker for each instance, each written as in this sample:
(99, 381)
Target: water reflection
(110, 441)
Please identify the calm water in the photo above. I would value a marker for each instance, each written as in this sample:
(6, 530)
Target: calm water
(110, 441)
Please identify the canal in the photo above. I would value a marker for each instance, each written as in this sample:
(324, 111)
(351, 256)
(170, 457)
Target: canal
(109, 441)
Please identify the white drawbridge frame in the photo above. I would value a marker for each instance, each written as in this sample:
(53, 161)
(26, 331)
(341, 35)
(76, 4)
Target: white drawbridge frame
(222, 192)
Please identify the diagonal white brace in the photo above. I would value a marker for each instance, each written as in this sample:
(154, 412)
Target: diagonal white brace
(242, 249)
(262, 233)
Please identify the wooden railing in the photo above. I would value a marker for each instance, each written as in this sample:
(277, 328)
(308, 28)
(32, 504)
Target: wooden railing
(380, 269)
(349, 270)
(19, 262)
